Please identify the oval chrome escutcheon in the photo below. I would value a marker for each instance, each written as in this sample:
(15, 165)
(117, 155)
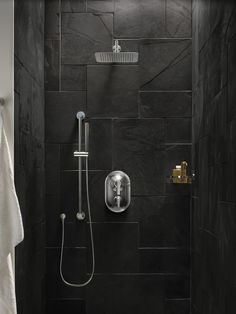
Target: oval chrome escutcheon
(117, 191)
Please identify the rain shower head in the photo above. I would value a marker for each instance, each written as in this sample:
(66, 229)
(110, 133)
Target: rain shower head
(116, 56)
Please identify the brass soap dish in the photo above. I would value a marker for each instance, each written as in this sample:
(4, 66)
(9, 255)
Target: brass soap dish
(179, 174)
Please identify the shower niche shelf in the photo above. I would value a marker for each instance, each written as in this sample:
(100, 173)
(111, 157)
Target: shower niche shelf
(180, 176)
(181, 180)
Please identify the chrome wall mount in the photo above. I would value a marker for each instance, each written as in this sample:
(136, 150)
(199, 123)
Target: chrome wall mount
(117, 191)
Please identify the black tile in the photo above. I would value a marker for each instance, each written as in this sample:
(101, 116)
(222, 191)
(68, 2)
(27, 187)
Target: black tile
(61, 109)
(178, 130)
(113, 91)
(51, 65)
(101, 213)
(16, 128)
(177, 306)
(165, 104)
(203, 25)
(52, 169)
(29, 37)
(29, 184)
(75, 232)
(73, 5)
(118, 252)
(30, 269)
(178, 18)
(177, 286)
(171, 260)
(35, 186)
(164, 221)
(100, 152)
(213, 64)
(66, 306)
(100, 6)
(74, 270)
(52, 10)
(138, 150)
(139, 19)
(69, 198)
(232, 78)
(37, 125)
(68, 161)
(69, 185)
(73, 77)
(83, 34)
(125, 294)
(165, 65)
(175, 154)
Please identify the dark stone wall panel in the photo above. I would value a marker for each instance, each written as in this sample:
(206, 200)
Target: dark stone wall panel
(177, 104)
(213, 203)
(140, 122)
(165, 65)
(84, 34)
(29, 154)
(29, 36)
(60, 111)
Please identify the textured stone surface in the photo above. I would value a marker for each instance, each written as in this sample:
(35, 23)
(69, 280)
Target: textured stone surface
(213, 202)
(113, 91)
(139, 19)
(83, 35)
(165, 65)
(29, 154)
(140, 118)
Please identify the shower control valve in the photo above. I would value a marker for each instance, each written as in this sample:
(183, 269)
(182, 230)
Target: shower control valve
(117, 191)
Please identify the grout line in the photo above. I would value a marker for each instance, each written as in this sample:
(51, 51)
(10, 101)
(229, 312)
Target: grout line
(178, 299)
(177, 248)
(60, 42)
(166, 91)
(142, 274)
(177, 143)
(155, 38)
(65, 247)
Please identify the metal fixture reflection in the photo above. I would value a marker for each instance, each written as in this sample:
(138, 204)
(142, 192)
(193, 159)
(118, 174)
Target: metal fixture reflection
(116, 56)
(80, 214)
(179, 174)
(117, 191)
(80, 116)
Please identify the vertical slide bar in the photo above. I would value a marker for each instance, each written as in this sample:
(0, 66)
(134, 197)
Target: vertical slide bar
(79, 165)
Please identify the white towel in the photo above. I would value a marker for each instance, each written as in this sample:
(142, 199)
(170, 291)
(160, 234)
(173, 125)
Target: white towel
(11, 227)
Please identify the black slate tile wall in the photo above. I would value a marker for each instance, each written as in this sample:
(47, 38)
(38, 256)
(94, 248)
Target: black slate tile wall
(213, 201)
(29, 153)
(140, 122)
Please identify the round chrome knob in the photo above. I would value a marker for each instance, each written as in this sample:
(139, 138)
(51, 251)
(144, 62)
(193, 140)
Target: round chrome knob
(80, 115)
(80, 216)
(63, 216)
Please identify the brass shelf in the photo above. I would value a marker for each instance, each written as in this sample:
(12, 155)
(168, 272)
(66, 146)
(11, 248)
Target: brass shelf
(177, 181)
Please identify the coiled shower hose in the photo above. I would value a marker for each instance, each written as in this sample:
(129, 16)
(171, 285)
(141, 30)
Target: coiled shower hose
(63, 217)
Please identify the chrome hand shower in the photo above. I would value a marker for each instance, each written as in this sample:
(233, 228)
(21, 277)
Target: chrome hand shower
(80, 214)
